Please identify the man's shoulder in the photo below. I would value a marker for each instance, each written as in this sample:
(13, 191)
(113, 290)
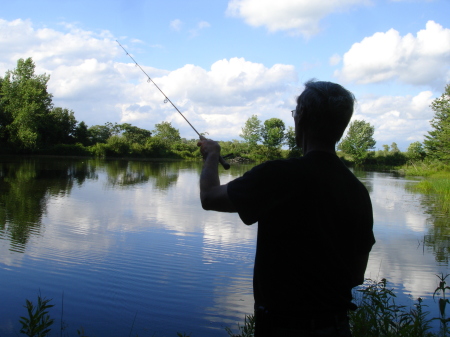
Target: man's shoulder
(280, 163)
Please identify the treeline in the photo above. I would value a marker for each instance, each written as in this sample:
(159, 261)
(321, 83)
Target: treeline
(358, 143)
(30, 124)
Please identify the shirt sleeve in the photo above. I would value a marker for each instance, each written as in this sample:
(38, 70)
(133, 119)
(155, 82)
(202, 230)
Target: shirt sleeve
(248, 193)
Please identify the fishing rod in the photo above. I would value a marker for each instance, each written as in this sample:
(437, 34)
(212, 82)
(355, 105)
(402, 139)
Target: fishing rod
(222, 161)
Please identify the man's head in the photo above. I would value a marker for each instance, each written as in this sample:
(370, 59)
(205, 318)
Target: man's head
(323, 112)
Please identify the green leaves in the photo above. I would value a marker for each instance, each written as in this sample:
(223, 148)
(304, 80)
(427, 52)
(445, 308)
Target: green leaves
(251, 132)
(437, 142)
(273, 133)
(166, 133)
(358, 141)
(38, 322)
(25, 105)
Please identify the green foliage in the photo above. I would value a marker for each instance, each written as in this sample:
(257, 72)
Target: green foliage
(416, 151)
(99, 133)
(133, 134)
(60, 128)
(25, 106)
(118, 146)
(379, 315)
(437, 185)
(251, 132)
(81, 333)
(81, 133)
(98, 150)
(67, 150)
(443, 301)
(272, 133)
(437, 142)
(358, 141)
(186, 149)
(290, 141)
(38, 322)
(424, 168)
(246, 330)
(389, 156)
(394, 148)
(166, 133)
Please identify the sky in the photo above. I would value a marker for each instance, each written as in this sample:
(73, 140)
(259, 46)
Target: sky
(222, 61)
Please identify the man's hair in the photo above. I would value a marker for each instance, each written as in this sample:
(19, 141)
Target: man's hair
(326, 110)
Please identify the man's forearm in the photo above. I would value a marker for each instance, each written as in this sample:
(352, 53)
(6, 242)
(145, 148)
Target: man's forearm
(209, 177)
(213, 196)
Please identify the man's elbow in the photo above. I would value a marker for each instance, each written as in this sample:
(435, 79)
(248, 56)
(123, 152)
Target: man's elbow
(216, 200)
(207, 202)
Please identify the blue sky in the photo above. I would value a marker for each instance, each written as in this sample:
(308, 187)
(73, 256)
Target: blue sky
(221, 62)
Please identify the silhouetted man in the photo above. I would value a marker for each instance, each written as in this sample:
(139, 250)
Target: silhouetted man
(314, 221)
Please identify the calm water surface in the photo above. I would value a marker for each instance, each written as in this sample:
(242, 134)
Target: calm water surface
(124, 247)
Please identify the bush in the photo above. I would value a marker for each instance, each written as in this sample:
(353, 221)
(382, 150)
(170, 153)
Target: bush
(117, 146)
(98, 150)
(67, 150)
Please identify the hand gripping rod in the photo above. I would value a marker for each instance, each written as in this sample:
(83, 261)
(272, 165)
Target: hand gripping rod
(225, 165)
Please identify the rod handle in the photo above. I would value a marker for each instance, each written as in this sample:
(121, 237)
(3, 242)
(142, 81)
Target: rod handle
(225, 165)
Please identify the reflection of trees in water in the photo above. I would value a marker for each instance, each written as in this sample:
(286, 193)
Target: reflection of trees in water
(124, 173)
(438, 237)
(366, 177)
(25, 187)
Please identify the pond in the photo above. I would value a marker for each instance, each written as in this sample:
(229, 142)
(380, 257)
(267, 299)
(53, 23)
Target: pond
(123, 248)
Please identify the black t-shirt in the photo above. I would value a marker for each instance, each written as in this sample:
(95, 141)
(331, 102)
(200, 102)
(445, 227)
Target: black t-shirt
(314, 217)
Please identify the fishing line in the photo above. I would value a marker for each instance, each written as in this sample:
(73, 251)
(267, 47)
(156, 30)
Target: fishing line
(225, 165)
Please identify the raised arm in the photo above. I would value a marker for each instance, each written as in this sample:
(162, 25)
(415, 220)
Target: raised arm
(213, 195)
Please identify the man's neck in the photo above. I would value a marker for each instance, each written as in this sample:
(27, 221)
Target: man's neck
(314, 146)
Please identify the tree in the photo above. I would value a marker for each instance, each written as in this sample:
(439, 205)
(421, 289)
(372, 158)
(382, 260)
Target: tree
(290, 141)
(272, 133)
(437, 142)
(358, 141)
(4, 120)
(25, 105)
(415, 151)
(251, 132)
(82, 133)
(100, 133)
(59, 127)
(166, 133)
(133, 134)
(394, 148)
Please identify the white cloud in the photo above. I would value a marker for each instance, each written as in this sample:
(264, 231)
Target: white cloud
(400, 119)
(176, 24)
(201, 25)
(218, 100)
(299, 17)
(423, 59)
(86, 79)
(335, 59)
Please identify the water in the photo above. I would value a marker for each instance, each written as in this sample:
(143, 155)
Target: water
(124, 248)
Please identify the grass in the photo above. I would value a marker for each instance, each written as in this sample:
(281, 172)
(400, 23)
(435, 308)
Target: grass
(438, 185)
(436, 182)
(424, 168)
(378, 315)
